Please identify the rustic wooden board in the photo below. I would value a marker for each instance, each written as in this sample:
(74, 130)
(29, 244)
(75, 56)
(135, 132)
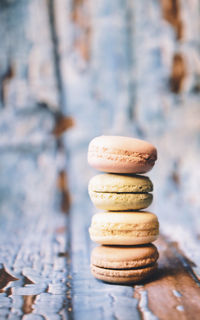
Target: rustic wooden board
(34, 237)
(44, 277)
(34, 274)
(174, 291)
(99, 67)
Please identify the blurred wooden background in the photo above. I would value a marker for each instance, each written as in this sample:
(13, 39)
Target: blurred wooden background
(71, 70)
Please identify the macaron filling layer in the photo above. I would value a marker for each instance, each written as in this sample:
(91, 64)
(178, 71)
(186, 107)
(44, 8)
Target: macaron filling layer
(126, 265)
(136, 233)
(122, 225)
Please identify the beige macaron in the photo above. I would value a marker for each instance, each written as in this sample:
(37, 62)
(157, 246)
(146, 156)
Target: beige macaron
(124, 228)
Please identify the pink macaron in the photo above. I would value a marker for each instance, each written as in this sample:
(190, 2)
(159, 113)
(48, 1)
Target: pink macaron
(119, 154)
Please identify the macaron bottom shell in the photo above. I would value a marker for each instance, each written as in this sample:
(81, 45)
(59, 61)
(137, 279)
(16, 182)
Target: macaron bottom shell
(121, 201)
(123, 276)
(119, 164)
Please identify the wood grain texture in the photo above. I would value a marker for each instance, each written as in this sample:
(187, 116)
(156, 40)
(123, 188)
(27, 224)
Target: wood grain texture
(95, 67)
(33, 232)
(170, 121)
(36, 266)
(173, 293)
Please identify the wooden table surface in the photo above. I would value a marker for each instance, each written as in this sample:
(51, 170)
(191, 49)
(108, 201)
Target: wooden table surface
(71, 70)
(46, 275)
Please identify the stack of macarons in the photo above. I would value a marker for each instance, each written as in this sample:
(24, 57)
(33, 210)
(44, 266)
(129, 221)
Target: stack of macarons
(126, 234)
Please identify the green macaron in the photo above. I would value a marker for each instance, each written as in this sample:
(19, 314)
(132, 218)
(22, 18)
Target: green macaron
(117, 192)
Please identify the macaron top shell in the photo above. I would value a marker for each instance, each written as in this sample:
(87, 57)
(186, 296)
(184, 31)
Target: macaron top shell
(121, 154)
(120, 183)
(120, 143)
(124, 257)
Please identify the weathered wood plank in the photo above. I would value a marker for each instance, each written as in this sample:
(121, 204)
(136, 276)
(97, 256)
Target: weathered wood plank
(117, 67)
(170, 119)
(172, 293)
(90, 296)
(80, 59)
(37, 258)
(33, 232)
(124, 89)
(26, 56)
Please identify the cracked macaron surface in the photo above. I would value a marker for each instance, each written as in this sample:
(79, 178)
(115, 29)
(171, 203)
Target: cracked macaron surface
(120, 192)
(124, 228)
(124, 264)
(119, 154)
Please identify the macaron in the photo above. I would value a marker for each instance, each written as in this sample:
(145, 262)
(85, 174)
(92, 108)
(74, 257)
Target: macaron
(118, 264)
(124, 228)
(118, 154)
(120, 192)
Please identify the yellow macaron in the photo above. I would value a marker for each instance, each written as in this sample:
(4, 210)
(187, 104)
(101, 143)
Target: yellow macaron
(120, 192)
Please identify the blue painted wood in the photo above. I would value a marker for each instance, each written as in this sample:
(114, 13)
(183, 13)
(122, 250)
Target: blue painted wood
(124, 89)
(34, 271)
(108, 65)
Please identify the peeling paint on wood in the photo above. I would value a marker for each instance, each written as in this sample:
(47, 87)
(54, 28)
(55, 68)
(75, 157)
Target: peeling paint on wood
(6, 78)
(107, 66)
(172, 13)
(143, 307)
(34, 280)
(28, 304)
(5, 278)
(168, 295)
(43, 269)
(62, 124)
(82, 34)
(178, 73)
(64, 191)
